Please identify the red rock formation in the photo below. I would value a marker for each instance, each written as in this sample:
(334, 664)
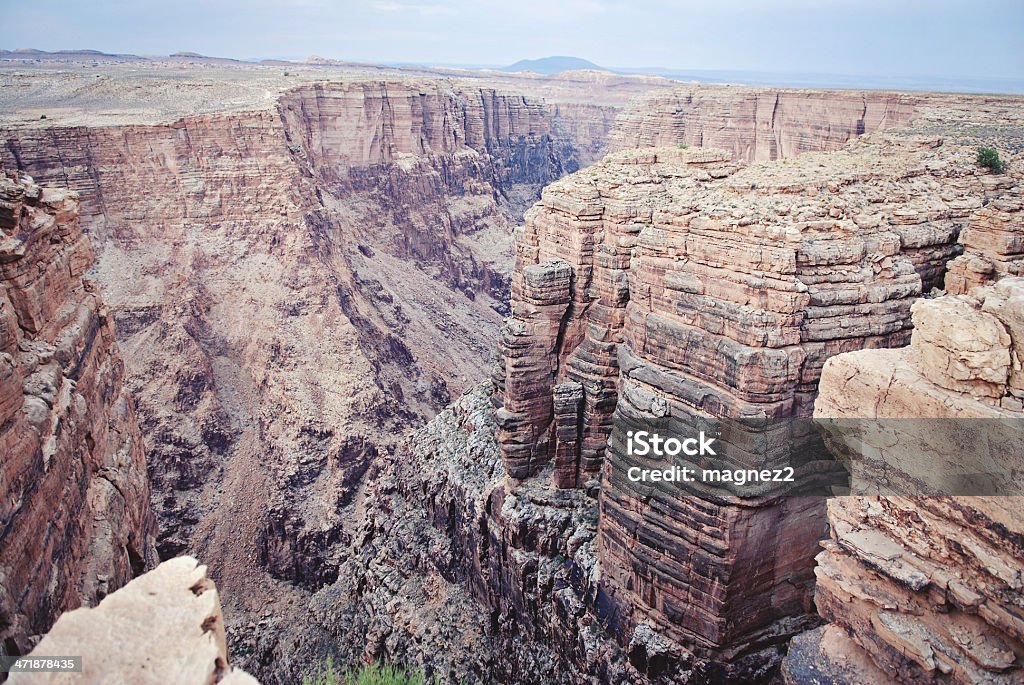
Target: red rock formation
(191, 214)
(75, 518)
(756, 124)
(289, 303)
(759, 274)
(651, 236)
(928, 588)
(363, 229)
(692, 283)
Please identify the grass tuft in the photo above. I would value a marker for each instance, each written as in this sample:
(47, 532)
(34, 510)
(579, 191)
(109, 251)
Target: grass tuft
(374, 674)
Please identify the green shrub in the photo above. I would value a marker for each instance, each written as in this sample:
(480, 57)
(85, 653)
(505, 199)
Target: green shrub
(989, 159)
(374, 674)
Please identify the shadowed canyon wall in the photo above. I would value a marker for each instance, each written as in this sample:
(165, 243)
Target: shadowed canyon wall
(75, 522)
(666, 281)
(293, 290)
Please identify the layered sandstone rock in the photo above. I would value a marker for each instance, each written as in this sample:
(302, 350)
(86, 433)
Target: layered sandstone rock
(165, 627)
(993, 240)
(808, 257)
(75, 518)
(676, 285)
(756, 124)
(443, 165)
(299, 284)
(927, 588)
(341, 127)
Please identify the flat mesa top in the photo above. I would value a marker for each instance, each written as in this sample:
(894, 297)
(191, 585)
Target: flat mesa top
(86, 89)
(887, 178)
(89, 92)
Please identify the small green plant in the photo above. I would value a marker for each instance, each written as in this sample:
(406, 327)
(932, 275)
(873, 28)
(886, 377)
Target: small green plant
(683, 146)
(989, 159)
(325, 675)
(374, 674)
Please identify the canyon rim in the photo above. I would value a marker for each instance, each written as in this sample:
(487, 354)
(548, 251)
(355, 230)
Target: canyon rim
(320, 360)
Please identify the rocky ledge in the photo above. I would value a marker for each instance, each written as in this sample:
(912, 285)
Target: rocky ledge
(163, 628)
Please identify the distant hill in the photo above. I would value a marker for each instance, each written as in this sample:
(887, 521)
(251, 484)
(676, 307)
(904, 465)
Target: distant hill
(32, 53)
(552, 65)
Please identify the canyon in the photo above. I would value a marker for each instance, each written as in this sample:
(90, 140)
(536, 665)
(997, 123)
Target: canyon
(583, 574)
(308, 290)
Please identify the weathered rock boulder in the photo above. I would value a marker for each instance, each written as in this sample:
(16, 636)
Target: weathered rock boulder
(75, 518)
(993, 240)
(163, 628)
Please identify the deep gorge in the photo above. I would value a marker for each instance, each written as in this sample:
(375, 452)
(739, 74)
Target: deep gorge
(296, 290)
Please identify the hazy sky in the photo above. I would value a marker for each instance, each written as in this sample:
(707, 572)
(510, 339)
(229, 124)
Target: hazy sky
(980, 39)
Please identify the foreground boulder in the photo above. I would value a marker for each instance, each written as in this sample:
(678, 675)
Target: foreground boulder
(165, 627)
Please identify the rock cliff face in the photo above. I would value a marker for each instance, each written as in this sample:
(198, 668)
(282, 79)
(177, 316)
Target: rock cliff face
(297, 287)
(163, 628)
(293, 290)
(531, 557)
(756, 124)
(632, 251)
(925, 589)
(75, 522)
(447, 170)
(760, 274)
(230, 243)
